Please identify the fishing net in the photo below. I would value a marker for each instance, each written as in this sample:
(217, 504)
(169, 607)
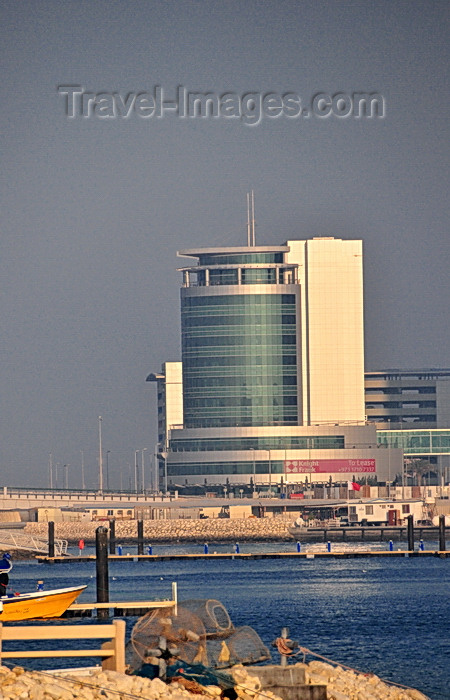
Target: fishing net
(242, 646)
(200, 632)
(213, 615)
(162, 634)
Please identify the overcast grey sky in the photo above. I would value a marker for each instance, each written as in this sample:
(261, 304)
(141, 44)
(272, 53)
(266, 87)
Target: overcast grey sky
(94, 209)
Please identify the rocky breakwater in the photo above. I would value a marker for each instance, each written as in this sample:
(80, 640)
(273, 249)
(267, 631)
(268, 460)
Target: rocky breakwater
(346, 684)
(95, 684)
(208, 530)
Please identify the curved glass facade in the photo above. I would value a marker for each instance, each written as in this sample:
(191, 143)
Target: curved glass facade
(239, 258)
(239, 356)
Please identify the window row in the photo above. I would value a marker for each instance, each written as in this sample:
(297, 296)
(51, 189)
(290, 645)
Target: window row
(258, 443)
(240, 301)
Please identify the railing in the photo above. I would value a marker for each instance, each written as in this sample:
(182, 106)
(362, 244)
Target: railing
(54, 496)
(112, 651)
(11, 539)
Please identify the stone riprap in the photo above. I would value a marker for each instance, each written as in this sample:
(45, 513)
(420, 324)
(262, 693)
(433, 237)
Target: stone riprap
(95, 684)
(208, 530)
(17, 684)
(345, 684)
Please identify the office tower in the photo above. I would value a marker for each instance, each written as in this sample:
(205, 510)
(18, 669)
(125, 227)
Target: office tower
(272, 362)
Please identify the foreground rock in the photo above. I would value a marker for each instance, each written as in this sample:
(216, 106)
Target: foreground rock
(96, 684)
(18, 684)
(345, 684)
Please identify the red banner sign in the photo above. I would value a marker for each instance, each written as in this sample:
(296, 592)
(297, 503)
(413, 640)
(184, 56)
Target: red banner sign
(330, 466)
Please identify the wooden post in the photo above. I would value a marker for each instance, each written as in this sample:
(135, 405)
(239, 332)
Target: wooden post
(116, 662)
(410, 533)
(284, 635)
(140, 534)
(101, 559)
(51, 539)
(442, 533)
(175, 597)
(112, 536)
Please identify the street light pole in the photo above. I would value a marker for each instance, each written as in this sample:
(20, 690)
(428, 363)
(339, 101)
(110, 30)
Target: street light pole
(155, 471)
(254, 469)
(83, 485)
(164, 454)
(107, 469)
(143, 469)
(136, 471)
(389, 471)
(100, 456)
(50, 469)
(66, 469)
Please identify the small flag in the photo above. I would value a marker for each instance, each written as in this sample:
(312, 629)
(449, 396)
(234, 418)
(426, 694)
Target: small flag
(353, 486)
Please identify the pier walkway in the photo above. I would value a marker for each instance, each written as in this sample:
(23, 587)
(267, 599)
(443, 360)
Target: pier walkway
(333, 554)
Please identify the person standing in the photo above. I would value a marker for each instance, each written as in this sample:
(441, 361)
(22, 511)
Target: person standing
(5, 568)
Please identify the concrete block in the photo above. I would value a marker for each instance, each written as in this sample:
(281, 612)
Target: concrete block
(288, 682)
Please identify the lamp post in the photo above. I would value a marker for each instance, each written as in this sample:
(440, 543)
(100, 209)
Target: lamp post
(254, 468)
(100, 456)
(66, 470)
(143, 469)
(155, 471)
(270, 473)
(107, 470)
(389, 471)
(136, 467)
(50, 469)
(83, 485)
(164, 456)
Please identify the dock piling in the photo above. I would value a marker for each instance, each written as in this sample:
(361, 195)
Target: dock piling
(442, 533)
(410, 520)
(51, 538)
(101, 558)
(112, 536)
(140, 536)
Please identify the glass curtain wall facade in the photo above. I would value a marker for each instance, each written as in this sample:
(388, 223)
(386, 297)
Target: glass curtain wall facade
(240, 351)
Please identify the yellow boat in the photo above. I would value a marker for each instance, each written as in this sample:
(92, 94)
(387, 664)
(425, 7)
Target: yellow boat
(28, 606)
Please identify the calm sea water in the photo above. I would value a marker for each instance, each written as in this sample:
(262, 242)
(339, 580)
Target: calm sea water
(387, 616)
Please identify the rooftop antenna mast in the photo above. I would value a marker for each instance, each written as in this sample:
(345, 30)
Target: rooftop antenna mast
(251, 239)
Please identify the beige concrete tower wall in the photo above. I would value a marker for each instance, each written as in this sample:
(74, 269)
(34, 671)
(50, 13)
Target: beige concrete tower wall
(174, 394)
(330, 274)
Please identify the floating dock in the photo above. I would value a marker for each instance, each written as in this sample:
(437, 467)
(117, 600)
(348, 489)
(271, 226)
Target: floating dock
(117, 609)
(336, 554)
